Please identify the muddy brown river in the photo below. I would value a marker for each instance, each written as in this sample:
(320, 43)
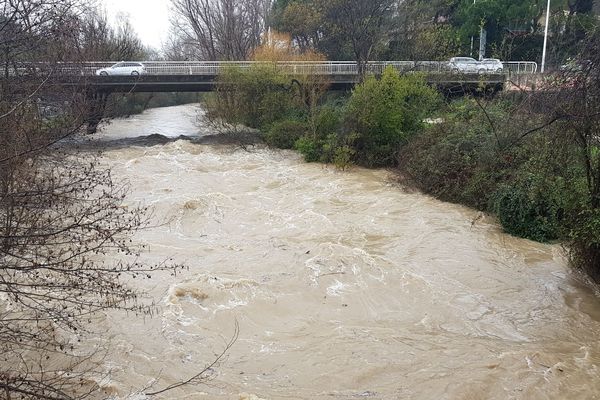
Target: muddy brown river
(344, 284)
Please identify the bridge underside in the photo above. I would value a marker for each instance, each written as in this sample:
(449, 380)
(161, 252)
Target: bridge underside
(454, 83)
(98, 88)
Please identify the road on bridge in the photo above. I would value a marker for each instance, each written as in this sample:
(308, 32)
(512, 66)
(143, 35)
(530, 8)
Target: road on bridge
(163, 76)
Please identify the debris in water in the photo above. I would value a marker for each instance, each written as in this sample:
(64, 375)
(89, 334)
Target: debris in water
(246, 396)
(368, 393)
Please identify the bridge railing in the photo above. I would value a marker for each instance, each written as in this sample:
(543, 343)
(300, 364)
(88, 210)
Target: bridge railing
(520, 67)
(291, 67)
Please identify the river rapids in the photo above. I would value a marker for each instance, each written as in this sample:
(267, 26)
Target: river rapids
(345, 285)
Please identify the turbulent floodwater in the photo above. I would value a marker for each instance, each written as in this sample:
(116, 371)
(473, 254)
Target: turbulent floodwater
(344, 285)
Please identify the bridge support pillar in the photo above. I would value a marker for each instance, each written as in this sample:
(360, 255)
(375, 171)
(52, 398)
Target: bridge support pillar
(96, 105)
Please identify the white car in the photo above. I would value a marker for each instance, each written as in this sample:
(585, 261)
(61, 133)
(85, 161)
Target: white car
(491, 65)
(464, 65)
(123, 68)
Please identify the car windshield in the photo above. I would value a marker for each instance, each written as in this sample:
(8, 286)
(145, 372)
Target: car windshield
(118, 65)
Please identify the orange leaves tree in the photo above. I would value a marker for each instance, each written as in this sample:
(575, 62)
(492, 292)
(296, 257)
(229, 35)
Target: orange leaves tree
(305, 67)
(282, 79)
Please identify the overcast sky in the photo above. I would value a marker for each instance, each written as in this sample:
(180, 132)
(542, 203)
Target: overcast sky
(150, 18)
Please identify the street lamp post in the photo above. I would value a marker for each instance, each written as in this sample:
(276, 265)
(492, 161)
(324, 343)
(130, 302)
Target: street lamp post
(546, 37)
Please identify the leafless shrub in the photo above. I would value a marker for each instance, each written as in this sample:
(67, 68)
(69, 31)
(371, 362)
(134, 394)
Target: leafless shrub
(220, 29)
(61, 213)
(205, 374)
(362, 22)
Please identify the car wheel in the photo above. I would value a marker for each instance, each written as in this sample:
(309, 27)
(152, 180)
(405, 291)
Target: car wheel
(481, 71)
(499, 70)
(135, 73)
(104, 73)
(455, 70)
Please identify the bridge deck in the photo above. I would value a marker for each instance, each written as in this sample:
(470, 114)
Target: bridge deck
(203, 76)
(207, 83)
(291, 67)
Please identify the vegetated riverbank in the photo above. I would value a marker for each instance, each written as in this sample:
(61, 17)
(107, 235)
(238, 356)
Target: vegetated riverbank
(524, 158)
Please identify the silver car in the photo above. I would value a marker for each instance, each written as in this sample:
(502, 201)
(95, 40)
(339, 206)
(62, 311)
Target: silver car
(491, 65)
(465, 65)
(123, 68)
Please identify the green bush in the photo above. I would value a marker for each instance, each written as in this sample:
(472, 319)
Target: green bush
(329, 120)
(334, 148)
(542, 190)
(455, 161)
(256, 97)
(383, 114)
(284, 134)
(584, 241)
(310, 148)
(325, 143)
(526, 213)
(342, 157)
(531, 184)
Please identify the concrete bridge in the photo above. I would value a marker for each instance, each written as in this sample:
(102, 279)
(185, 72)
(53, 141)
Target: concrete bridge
(200, 76)
(203, 76)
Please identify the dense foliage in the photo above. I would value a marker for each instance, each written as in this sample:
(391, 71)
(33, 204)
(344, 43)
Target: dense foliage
(384, 113)
(529, 183)
(437, 29)
(367, 128)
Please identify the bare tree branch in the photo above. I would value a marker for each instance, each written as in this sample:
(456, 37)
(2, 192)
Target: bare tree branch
(200, 377)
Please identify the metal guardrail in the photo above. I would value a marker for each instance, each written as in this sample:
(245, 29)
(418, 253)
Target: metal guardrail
(520, 67)
(291, 67)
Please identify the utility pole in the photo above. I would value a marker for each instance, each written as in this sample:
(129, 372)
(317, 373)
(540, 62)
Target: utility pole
(546, 37)
(472, 39)
(482, 41)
